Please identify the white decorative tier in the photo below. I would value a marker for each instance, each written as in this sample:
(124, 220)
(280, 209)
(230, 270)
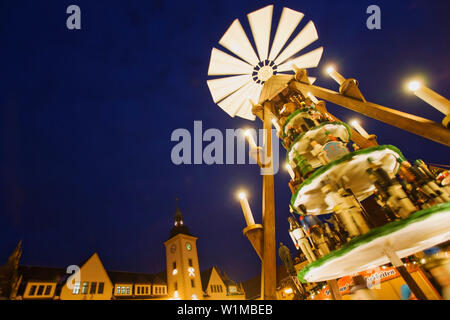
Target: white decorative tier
(319, 134)
(353, 166)
(422, 230)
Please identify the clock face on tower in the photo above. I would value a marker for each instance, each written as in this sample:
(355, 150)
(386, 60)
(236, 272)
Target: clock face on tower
(173, 248)
(188, 246)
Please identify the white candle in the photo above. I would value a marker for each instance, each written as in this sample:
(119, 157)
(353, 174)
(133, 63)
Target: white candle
(335, 75)
(429, 96)
(291, 172)
(246, 209)
(313, 98)
(250, 139)
(360, 129)
(276, 125)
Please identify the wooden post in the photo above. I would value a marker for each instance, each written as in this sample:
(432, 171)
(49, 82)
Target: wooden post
(334, 289)
(398, 264)
(269, 267)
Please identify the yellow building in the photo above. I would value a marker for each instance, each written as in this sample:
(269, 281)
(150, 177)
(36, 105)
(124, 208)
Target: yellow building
(90, 280)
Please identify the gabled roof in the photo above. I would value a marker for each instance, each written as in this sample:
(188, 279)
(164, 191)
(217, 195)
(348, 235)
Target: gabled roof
(41, 274)
(205, 276)
(274, 86)
(35, 273)
(130, 277)
(136, 277)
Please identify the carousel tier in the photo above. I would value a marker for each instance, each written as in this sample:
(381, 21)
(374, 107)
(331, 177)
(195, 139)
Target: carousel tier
(353, 166)
(297, 115)
(420, 231)
(301, 145)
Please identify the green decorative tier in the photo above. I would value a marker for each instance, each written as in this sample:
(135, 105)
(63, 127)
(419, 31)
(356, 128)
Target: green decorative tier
(353, 166)
(422, 230)
(301, 145)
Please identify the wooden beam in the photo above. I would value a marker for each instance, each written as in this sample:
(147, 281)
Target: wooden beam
(269, 264)
(408, 122)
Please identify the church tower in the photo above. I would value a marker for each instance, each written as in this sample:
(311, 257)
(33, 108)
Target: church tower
(183, 272)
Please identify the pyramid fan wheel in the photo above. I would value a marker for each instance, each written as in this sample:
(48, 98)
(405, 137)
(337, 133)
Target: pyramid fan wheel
(247, 71)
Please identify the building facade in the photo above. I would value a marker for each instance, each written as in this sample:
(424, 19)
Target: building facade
(90, 280)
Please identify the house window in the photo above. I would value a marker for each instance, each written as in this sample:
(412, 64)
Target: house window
(84, 290)
(93, 287)
(76, 288)
(40, 291)
(192, 283)
(48, 289)
(190, 262)
(101, 285)
(118, 290)
(128, 289)
(32, 291)
(123, 290)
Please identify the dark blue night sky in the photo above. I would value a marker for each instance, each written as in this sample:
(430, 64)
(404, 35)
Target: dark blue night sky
(86, 120)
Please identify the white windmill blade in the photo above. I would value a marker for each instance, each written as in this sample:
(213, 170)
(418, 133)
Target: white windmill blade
(222, 63)
(237, 42)
(307, 36)
(288, 22)
(308, 60)
(245, 111)
(223, 87)
(261, 23)
(246, 77)
(233, 102)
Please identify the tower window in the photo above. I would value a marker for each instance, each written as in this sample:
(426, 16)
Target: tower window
(192, 283)
(175, 285)
(174, 265)
(190, 262)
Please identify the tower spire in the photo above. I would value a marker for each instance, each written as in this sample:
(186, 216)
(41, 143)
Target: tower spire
(178, 215)
(179, 226)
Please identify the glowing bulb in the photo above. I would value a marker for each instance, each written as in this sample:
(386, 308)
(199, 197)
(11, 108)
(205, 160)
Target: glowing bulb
(414, 85)
(330, 69)
(288, 291)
